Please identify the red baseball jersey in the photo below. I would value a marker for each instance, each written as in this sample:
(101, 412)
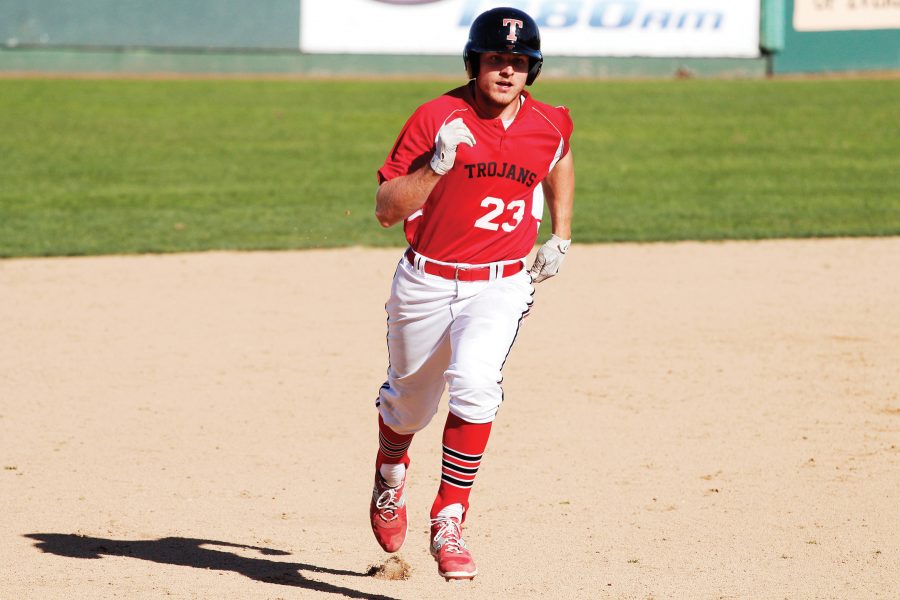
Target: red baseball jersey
(489, 206)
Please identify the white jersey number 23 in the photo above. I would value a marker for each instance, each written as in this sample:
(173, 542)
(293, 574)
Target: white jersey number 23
(497, 217)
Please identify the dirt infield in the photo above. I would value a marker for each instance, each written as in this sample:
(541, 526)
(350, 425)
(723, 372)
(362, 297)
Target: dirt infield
(688, 420)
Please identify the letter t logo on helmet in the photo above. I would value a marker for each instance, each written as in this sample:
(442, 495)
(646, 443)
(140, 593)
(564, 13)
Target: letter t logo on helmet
(506, 30)
(513, 24)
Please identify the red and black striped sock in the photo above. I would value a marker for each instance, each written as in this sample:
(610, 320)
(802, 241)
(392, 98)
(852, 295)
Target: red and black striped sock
(392, 446)
(464, 445)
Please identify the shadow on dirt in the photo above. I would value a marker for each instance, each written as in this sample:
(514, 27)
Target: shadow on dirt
(196, 553)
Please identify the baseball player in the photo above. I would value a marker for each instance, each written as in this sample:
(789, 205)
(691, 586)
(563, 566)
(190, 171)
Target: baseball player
(468, 177)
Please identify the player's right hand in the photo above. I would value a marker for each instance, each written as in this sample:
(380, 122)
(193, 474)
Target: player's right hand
(450, 136)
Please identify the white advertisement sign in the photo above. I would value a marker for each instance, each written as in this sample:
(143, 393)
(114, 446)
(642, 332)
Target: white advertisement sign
(674, 28)
(840, 15)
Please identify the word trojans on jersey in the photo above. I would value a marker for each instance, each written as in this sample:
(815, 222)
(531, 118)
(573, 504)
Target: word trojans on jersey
(509, 171)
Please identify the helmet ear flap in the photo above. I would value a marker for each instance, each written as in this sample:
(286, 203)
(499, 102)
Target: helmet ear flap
(534, 70)
(472, 61)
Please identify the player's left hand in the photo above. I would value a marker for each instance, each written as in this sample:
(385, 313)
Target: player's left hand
(549, 259)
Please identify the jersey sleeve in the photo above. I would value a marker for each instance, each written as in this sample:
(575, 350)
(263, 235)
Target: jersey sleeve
(413, 148)
(565, 125)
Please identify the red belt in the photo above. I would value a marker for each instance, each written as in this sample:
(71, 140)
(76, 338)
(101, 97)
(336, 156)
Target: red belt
(464, 273)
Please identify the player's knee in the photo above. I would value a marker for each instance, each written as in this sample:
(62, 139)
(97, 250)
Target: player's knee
(474, 397)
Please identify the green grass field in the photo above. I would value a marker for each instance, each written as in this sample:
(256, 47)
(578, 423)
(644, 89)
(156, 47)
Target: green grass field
(124, 166)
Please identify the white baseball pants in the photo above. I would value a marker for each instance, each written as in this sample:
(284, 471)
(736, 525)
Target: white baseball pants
(448, 333)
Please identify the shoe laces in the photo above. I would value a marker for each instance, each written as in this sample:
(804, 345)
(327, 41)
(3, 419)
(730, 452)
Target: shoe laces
(387, 504)
(449, 535)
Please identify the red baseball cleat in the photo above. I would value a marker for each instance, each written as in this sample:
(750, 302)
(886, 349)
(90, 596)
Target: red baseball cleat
(449, 550)
(388, 514)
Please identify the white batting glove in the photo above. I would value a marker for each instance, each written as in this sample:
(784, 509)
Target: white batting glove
(450, 136)
(549, 259)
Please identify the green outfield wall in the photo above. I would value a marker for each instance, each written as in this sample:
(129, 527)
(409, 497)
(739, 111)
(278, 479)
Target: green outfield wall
(187, 24)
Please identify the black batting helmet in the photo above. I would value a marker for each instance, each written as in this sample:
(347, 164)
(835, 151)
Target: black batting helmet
(507, 30)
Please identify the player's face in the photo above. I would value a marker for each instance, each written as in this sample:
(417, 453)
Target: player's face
(501, 79)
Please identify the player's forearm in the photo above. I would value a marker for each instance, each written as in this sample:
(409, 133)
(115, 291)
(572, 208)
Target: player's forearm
(560, 196)
(561, 215)
(400, 197)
